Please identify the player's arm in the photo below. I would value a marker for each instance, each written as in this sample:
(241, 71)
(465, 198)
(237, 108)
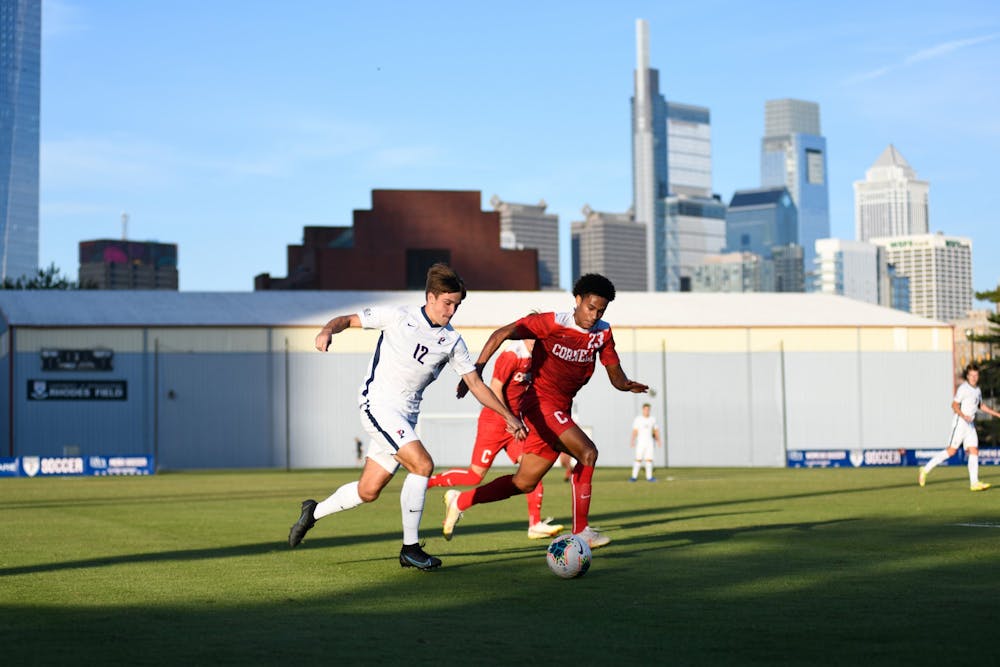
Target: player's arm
(988, 410)
(493, 344)
(635, 433)
(485, 395)
(333, 327)
(621, 382)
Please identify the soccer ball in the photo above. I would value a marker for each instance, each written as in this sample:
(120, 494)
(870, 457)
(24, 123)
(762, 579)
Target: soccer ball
(568, 556)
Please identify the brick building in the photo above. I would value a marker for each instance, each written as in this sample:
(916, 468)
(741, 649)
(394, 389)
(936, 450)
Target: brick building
(391, 246)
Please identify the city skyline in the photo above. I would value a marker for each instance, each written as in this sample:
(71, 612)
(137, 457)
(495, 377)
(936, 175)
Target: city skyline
(228, 135)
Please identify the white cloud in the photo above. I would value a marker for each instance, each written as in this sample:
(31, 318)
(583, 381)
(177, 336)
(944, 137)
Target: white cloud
(923, 55)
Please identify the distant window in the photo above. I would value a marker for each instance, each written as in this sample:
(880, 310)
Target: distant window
(745, 240)
(814, 167)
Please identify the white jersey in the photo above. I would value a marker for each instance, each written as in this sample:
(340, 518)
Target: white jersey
(409, 356)
(644, 427)
(969, 399)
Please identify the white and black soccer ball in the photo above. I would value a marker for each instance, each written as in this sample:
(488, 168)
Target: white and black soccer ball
(568, 556)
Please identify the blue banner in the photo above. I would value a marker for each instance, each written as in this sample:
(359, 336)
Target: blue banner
(76, 466)
(863, 458)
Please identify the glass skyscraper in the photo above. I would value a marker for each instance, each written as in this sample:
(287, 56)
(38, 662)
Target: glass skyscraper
(793, 154)
(671, 178)
(20, 86)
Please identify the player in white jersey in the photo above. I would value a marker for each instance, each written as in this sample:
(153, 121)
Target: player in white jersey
(645, 435)
(415, 344)
(967, 401)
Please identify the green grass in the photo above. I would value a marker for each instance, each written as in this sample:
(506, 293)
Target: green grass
(708, 567)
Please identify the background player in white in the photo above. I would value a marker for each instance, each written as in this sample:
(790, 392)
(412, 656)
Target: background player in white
(967, 401)
(644, 435)
(415, 344)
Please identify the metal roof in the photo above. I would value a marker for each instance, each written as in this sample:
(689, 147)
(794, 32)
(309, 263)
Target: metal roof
(107, 308)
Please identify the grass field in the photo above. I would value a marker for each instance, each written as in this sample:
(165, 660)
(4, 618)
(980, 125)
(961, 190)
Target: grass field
(707, 567)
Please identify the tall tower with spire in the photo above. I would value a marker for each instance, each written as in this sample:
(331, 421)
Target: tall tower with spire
(891, 201)
(671, 179)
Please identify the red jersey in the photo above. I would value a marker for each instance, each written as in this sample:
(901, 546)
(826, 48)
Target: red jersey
(565, 355)
(513, 369)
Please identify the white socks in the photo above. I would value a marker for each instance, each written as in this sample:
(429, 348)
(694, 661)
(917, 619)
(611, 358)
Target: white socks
(344, 498)
(973, 469)
(938, 459)
(635, 469)
(411, 503)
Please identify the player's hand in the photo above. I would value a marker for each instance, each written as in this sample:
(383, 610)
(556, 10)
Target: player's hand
(517, 429)
(323, 339)
(635, 387)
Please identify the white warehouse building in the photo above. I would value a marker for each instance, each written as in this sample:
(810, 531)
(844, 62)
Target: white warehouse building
(231, 380)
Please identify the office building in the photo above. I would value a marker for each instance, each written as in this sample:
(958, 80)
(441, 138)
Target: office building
(20, 102)
(138, 265)
(695, 228)
(793, 154)
(525, 226)
(730, 272)
(757, 220)
(609, 243)
(850, 268)
(671, 177)
(939, 269)
(891, 201)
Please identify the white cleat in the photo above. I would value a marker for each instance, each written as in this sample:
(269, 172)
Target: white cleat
(452, 514)
(544, 529)
(593, 538)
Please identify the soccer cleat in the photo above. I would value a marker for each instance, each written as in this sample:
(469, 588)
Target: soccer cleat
(451, 513)
(593, 538)
(413, 555)
(979, 486)
(302, 526)
(922, 477)
(631, 479)
(651, 479)
(544, 529)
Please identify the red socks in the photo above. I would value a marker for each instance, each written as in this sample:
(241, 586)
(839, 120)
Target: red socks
(582, 478)
(455, 477)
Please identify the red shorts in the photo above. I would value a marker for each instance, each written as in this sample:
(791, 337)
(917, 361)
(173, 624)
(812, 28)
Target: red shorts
(545, 424)
(491, 437)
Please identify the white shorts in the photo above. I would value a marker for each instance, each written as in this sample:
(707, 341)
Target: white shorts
(644, 451)
(389, 429)
(963, 433)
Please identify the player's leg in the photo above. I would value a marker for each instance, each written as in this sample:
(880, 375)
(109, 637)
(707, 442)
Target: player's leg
(583, 449)
(529, 472)
(954, 442)
(419, 465)
(491, 437)
(971, 444)
(635, 467)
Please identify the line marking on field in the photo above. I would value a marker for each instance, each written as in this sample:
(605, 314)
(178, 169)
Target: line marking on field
(979, 525)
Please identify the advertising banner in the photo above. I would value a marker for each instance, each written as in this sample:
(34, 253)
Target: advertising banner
(858, 458)
(76, 466)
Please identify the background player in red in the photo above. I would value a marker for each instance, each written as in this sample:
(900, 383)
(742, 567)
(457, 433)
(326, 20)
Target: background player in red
(511, 377)
(567, 348)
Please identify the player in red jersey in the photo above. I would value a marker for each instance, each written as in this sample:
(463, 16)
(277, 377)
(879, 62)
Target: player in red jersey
(511, 377)
(566, 350)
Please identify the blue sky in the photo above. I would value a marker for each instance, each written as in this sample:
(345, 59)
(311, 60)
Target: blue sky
(227, 126)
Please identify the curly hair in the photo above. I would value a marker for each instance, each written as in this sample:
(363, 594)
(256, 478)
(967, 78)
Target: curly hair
(594, 283)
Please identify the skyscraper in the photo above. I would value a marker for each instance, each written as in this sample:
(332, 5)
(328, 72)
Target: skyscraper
(890, 201)
(793, 154)
(526, 226)
(757, 220)
(939, 269)
(608, 243)
(20, 86)
(851, 268)
(671, 177)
